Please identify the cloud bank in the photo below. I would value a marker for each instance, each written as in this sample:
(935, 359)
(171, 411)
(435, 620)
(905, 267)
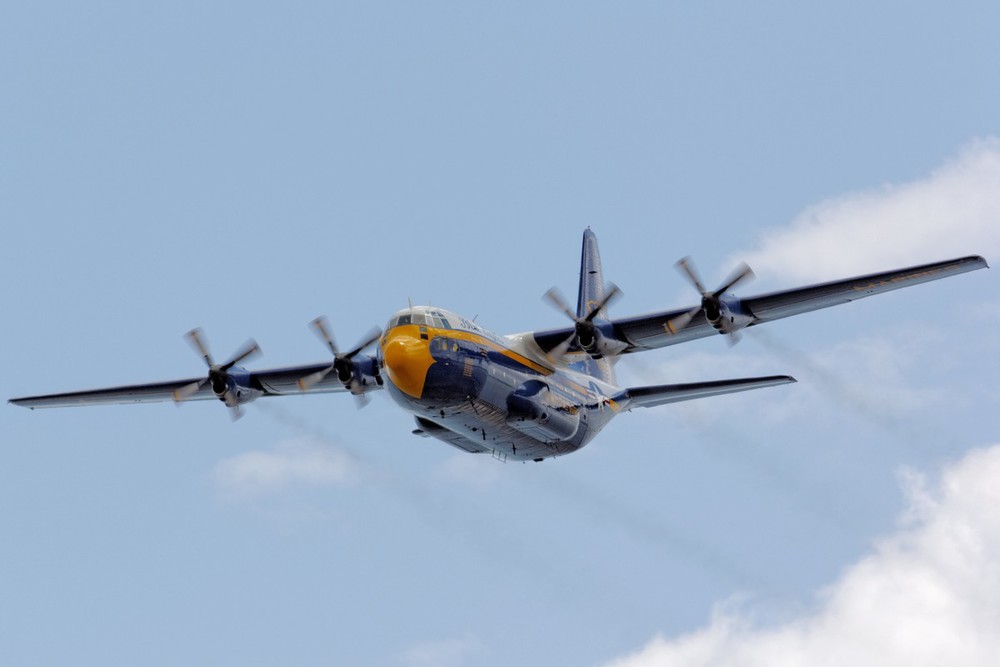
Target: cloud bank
(927, 595)
(954, 211)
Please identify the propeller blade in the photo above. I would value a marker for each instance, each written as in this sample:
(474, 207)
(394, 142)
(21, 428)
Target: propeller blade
(235, 412)
(194, 338)
(361, 400)
(557, 353)
(740, 274)
(686, 267)
(614, 293)
(320, 326)
(555, 297)
(188, 390)
(373, 335)
(311, 379)
(249, 349)
(678, 323)
(361, 397)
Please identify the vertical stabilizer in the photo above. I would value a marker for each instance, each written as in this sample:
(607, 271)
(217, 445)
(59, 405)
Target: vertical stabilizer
(592, 290)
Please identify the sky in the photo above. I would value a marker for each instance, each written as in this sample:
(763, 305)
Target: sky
(245, 167)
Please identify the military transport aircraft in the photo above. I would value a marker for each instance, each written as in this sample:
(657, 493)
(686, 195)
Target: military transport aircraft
(524, 396)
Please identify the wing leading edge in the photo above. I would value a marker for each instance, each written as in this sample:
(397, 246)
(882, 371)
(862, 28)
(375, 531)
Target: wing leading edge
(651, 331)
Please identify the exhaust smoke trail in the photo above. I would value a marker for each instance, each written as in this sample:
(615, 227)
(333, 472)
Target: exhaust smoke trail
(865, 404)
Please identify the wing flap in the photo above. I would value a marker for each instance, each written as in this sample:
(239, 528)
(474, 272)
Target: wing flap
(652, 396)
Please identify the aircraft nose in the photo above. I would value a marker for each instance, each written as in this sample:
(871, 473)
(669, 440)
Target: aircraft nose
(407, 359)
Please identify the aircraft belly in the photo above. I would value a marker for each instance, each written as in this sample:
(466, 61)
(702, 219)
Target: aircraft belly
(467, 395)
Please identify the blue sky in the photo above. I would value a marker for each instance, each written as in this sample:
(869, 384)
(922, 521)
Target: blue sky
(245, 168)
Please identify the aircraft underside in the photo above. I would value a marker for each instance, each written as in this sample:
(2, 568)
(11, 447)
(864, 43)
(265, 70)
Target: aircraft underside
(481, 401)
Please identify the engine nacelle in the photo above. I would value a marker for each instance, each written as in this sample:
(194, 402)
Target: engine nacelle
(234, 388)
(535, 409)
(597, 343)
(365, 369)
(727, 315)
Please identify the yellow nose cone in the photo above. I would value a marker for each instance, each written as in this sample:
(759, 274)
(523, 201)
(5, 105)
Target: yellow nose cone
(407, 359)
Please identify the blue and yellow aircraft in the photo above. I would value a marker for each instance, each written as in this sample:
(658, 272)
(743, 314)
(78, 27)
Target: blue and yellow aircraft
(525, 396)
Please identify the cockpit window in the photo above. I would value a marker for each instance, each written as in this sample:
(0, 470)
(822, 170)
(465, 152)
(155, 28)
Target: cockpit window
(432, 319)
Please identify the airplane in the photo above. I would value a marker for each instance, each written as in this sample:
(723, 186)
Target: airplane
(526, 396)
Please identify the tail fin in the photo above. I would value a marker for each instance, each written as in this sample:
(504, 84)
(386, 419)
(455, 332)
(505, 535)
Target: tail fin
(592, 290)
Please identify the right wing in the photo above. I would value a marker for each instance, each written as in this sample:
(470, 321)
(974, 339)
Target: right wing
(274, 382)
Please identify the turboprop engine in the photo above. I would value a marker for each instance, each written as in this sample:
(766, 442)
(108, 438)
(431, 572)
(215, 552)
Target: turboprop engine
(230, 383)
(723, 311)
(355, 371)
(535, 409)
(593, 337)
(726, 314)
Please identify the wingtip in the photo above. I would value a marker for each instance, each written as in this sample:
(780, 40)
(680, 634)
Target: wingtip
(977, 259)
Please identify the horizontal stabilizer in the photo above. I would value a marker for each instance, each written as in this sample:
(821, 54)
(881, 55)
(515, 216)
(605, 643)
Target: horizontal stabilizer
(648, 397)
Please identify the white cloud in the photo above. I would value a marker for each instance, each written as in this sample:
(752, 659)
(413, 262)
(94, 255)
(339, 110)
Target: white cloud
(291, 462)
(445, 653)
(954, 211)
(927, 595)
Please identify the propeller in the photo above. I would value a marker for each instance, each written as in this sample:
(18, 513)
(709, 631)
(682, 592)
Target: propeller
(585, 331)
(710, 301)
(218, 374)
(342, 361)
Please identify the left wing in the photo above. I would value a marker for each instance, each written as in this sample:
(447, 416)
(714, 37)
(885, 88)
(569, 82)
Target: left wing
(649, 397)
(274, 382)
(647, 332)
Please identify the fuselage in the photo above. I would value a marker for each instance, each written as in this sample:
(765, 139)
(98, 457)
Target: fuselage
(486, 393)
